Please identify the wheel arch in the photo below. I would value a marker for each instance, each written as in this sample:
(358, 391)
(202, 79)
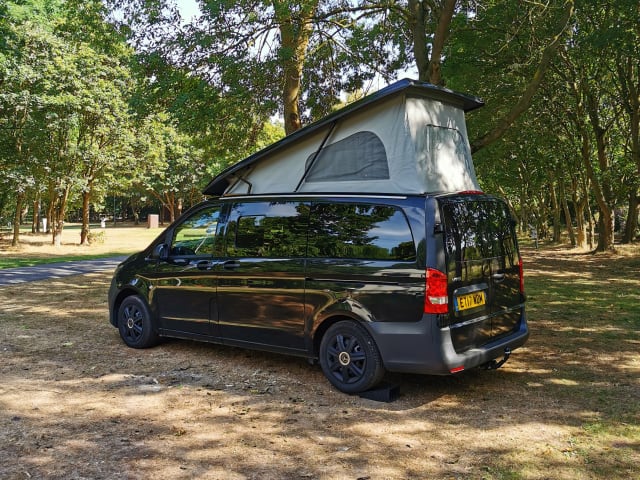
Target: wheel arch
(326, 324)
(122, 294)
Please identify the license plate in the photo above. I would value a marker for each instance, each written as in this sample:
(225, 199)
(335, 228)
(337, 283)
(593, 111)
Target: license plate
(470, 300)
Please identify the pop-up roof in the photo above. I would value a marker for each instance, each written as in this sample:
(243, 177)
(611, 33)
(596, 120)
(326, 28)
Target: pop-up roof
(409, 137)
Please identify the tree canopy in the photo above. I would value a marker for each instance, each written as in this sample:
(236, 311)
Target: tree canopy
(127, 100)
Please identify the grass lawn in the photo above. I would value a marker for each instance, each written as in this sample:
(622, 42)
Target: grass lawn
(35, 249)
(584, 311)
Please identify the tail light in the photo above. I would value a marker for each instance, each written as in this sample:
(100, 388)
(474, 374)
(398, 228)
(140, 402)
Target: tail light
(521, 276)
(436, 299)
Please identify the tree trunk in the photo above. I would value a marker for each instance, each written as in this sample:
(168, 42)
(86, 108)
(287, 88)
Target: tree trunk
(524, 209)
(418, 27)
(602, 189)
(591, 223)
(428, 61)
(84, 231)
(56, 231)
(49, 215)
(581, 227)
(580, 203)
(439, 39)
(567, 213)
(632, 218)
(24, 212)
(629, 75)
(295, 33)
(600, 185)
(606, 219)
(3, 200)
(59, 203)
(135, 209)
(35, 223)
(591, 236)
(16, 220)
(542, 213)
(169, 202)
(606, 223)
(555, 205)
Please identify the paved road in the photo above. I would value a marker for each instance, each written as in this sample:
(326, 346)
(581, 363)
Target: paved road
(12, 276)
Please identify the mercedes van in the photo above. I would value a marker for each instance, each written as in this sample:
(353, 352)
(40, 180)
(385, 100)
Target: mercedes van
(361, 241)
(364, 284)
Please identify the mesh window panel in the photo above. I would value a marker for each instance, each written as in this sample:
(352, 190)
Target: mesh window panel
(360, 156)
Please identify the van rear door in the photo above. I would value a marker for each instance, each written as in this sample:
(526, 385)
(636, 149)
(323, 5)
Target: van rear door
(483, 269)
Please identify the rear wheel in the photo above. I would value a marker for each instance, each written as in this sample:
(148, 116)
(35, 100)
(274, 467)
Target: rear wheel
(135, 324)
(349, 358)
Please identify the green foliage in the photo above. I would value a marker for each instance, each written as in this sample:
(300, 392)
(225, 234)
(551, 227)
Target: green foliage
(171, 168)
(37, 11)
(240, 47)
(64, 108)
(82, 114)
(495, 52)
(544, 159)
(66, 114)
(216, 122)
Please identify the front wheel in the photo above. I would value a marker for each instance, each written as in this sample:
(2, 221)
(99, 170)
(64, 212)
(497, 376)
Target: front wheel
(350, 358)
(135, 325)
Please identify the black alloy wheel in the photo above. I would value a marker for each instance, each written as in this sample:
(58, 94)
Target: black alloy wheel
(349, 358)
(134, 323)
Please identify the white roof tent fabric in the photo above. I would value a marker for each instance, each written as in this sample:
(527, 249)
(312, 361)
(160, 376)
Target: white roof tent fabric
(409, 137)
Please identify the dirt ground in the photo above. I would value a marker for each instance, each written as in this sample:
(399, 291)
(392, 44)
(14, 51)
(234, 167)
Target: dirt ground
(75, 403)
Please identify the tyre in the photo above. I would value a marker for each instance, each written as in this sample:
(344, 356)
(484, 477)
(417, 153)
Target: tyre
(135, 325)
(349, 358)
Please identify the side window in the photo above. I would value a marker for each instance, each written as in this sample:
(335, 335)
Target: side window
(268, 230)
(197, 235)
(250, 235)
(370, 232)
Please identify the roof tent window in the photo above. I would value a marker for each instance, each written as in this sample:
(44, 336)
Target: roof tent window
(360, 156)
(447, 144)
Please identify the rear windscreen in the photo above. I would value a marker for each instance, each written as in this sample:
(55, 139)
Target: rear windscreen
(477, 229)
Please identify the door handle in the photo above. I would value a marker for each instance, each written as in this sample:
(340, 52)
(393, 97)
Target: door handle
(498, 277)
(231, 265)
(204, 265)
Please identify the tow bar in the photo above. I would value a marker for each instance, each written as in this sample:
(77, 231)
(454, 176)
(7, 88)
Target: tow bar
(493, 365)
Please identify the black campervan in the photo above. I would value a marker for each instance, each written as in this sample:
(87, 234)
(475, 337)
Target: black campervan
(345, 243)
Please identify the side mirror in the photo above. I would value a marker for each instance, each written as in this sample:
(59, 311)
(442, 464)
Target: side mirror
(159, 252)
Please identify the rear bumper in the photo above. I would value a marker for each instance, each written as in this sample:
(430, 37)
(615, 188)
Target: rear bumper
(423, 347)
